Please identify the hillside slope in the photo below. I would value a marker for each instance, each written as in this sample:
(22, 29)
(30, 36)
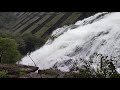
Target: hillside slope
(40, 24)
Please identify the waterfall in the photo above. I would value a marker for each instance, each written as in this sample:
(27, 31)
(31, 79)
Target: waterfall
(96, 34)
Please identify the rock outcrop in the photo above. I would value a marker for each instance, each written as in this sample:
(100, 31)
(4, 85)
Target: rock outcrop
(15, 71)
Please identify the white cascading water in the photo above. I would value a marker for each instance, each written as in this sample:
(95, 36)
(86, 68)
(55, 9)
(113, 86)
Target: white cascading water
(99, 33)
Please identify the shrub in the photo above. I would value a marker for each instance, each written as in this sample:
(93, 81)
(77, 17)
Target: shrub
(3, 74)
(8, 51)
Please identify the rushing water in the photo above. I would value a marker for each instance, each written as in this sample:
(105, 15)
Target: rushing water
(99, 33)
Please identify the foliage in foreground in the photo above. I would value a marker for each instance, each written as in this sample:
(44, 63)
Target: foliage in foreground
(8, 51)
(3, 74)
(26, 43)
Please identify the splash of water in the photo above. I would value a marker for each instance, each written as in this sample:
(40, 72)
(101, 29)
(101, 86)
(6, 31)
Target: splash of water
(99, 33)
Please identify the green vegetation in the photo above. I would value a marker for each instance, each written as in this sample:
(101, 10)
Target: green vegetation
(26, 43)
(3, 74)
(20, 72)
(32, 42)
(8, 51)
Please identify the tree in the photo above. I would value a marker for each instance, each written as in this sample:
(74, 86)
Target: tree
(32, 42)
(21, 45)
(8, 51)
(26, 43)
